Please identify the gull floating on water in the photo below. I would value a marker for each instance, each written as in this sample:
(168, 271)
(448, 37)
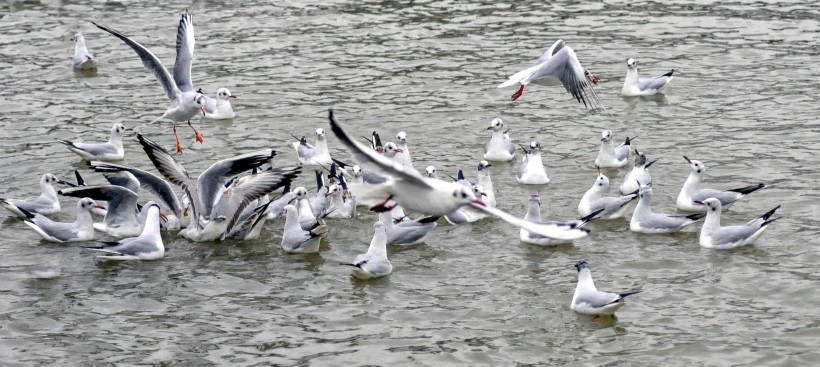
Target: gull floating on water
(532, 170)
(342, 203)
(430, 172)
(186, 102)
(639, 173)
(47, 203)
(219, 108)
(109, 151)
(403, 155)
(534, 215)
(313, 156)
(147, 246)
(635, 86)
(425, 195)
(500, 148)
(296, 239)
(712, 235)
(82, 229)
(588, 300)
(645, 221)
(83, 60)
(691, 192)
(594, 200)
(610, 156)
(374, 263)
(559, 66)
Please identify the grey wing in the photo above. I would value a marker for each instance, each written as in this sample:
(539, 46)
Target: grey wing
(132, 246)
(122, 202)
(597, 298)
(487, 146)
(150, 62)
(305, 151)
(251, 189)
(611, 204)
(655, 83)
(372, 178)
(557, 46)
(379, 266)
(214, 178)
(565, 67)
(124, 179)
(508, 143)
(733, 234)
(33, 205)
(173, 171)
(523, 166)
(147, 181)
(622, 152)
(410, 232)
(185, 53)
(725, 197)
(663, 221)
(457, 217)
(370, 160)
(59, 230)
(96, 149)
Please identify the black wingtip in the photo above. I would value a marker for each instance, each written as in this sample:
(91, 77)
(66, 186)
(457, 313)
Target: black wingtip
(748, 189)
(770, 213)
(80, 180)
(591, 216)
(629, 293)
(629, 140)
(650, 163)
(430, 219)
(29, 215)
(696, 216)
(766, 223)
(460, 175)
(669, 74)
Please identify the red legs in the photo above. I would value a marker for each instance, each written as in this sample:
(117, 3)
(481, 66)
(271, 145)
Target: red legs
(518, 94)
(179, 145)
(593, 78)
(382, 207)
(198, 136)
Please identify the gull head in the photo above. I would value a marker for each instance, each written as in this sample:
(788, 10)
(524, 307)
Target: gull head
(535, 199)
(199, 100)
(299, 193)
(49, 179)
(401, 137)
(320, 134)
(118, 129)
(357, 171)
(86, 204)
(79, 39)
(602, 182)
(644, 190)
(632, 64)
(430, 171)
(712, 204)
(606, 136)
(535, 147)
(583, 264)
(224, 94)
(696, 167)
(333, 189)
(496, 124)
(390, 149)
(478, 191)
(640, 158)
(483, 165)
(464, 195)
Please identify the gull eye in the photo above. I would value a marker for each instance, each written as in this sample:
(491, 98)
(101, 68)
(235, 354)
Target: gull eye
(464, 195)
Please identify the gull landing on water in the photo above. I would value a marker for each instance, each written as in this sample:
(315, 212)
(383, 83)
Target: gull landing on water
(186, 102)
(559, 66)
(635, 86)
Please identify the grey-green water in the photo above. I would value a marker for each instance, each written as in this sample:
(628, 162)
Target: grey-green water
(743, 101)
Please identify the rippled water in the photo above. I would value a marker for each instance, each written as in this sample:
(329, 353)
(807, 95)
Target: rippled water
(743, 101)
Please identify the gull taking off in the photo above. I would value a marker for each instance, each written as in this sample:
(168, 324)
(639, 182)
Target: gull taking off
(558, 66)
(186, 102)
(635, 86)
(374, 263)
(588, 300)
(110, 151)
(712, 235)
(83, 60)
(645, 221)
(82, 229)
(691, 193)
(500, 148)
(147, 246)
(46, 203)
(532, 170)
(610, 156)
(639, 173)
(219, 108)
(594, 200)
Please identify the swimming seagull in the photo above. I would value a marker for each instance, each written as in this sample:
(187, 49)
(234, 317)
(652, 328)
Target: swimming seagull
(559, 66)
(313, 156)
(146, 246)
(212, 213)
(691, 191)
(403, 156)
(374, 263)
(635, 86)
(486, 181)
(83, 60)
(712, 235)
(594, 200)
(110, 151)
(534, 215)
(425, 195)
(500, 148)
(219, 108)
(46, 203)
(639, 173)
(588, 300)
(409, 232)
(532, 170)
(645, 221)
(430, 172)
(296, 239)
(610, 156)
(186, 102)
(81, 229)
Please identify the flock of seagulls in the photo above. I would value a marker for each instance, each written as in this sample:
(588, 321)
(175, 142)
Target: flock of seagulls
(235, 197)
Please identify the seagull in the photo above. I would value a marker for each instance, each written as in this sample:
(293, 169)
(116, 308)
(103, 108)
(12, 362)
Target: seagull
(250, 223)
(486, 181)
(122, 217)
(588, 300)
(404, 151)
(424, 195)
(534, 215)
(500, 148)
(467, 214)
(110, 151)
(430, 172)
(374, 263)
(320, 201)
(559, 66)
(186, 102)
(277, 206)
(691, 191)
(135, 178)
(634, 86)
(645, 221)
(295, 239)
(311, 156)
(83, 60)
(594, 200)
(219, 108)
(610, 156)
(213, 214)
(357, 175)
(639, 173)
(409, 232)
(146, 246)
(342, 204)
(532, 170)
(81, 229)
(391, 150)
(712, 235)
(47, 203)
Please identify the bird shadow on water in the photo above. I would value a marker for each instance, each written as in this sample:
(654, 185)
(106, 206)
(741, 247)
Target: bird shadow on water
(602, 322)
(632, 102)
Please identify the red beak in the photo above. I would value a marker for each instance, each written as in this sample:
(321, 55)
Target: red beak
(100, 207)
(698, 202)
(232, 96)
(398, 150)
(490, 128)
(163, 217)
(687, 159)
(479, 202)
(203, 110)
